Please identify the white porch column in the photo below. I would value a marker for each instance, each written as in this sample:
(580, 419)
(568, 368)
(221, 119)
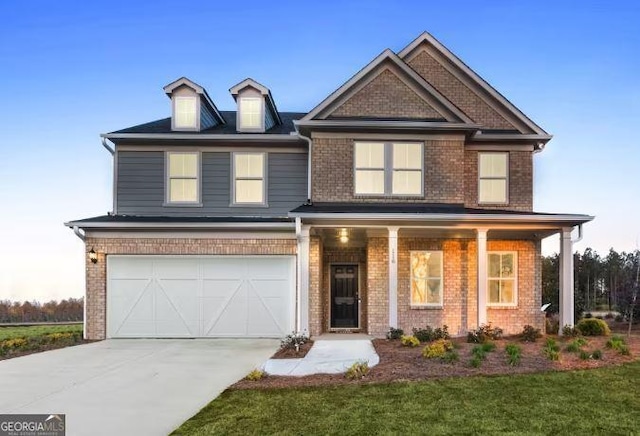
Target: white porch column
(393, 277)
(303, 280)
(566, 278)
(481, 239)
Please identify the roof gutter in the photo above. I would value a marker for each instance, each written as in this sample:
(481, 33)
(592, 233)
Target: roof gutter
(201, 137)
(183, 225)
(78, 233)
(105, 145)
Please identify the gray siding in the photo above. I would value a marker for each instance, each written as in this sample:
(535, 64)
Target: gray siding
(141, 185)
(206, 117)
(269, 120)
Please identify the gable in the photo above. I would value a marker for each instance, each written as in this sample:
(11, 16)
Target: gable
(387, 89)
(387, 96)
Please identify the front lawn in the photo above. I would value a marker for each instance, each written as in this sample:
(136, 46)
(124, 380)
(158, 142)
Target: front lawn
(601, 400)
(19, 341)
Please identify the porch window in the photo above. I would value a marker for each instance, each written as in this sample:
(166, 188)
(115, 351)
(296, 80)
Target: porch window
(502, 278)
(249, 181)
(388, 169)
(492, 177)
(426, 278)
(183, 172)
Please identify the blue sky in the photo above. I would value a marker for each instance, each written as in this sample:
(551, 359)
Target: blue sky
(73, 70)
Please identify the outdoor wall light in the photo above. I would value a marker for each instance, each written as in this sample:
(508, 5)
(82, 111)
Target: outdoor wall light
(93, 256)
(343, 235)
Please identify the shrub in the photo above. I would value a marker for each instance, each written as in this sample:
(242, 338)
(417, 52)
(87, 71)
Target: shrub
(483, 334)
(618, 344)
(552, 326)
(551, 349)
(514, 353)
(530, 334)
(437, 349)
(357, 371)
(624, 350)
(450, 356)
(394, 333)
(255, 375)
(475, 362)
(576, 345)
(294, 341)
(619, 318)
(588, 315)
(584, 355)
(570, 332)
(409, 341)
(429, 334)
(593, 327)
(597, 354)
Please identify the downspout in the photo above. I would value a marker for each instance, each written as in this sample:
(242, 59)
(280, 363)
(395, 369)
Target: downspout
(579, 235)
(109, 149)
(82, 236)
(115, 174)
(298, 277)
(78, 233)
(310, 143)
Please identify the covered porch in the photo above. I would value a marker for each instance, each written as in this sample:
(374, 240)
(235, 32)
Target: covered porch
(357, 272)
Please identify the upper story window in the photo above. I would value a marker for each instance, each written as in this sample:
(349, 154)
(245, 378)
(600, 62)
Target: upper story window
(183, 173)
(389, 169)
(250, 113)
(493, 170)
(185, 112)
(501, 277)
(249, 185)
(426, 278)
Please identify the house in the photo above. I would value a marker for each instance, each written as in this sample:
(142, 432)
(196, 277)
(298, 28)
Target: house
(403, 199)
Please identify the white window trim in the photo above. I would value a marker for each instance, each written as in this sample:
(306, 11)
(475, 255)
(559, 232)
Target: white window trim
(261, 115)
(440, 304)
(265, 166)
(515, 280)
(505, 178)
(167, 180)
(388, 170)
(174, 118)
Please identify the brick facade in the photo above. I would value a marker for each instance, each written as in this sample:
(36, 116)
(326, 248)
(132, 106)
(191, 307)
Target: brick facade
(457, 92)
(386, 96)
(333, 173)
(96, 274)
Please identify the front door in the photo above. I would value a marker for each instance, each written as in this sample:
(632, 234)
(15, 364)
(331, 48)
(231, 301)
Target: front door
(344, 296)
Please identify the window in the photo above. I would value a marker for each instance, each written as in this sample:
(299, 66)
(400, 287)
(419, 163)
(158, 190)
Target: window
(250, 113)
(249, 186)
(426, 278)
(391, 169)
(183, 172)
(502, 278)
(185, 112)
(492, 177)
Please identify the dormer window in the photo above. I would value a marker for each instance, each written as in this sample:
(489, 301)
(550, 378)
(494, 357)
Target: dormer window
(186, 109)
(250, 113)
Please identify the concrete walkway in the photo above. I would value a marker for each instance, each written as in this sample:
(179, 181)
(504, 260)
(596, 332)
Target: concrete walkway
(330, 354)
(128, 386)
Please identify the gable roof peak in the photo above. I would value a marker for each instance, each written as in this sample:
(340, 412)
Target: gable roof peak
(266, 93)
(198, 89)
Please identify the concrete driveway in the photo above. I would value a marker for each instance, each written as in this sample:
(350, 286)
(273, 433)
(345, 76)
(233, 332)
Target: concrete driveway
(128, 386)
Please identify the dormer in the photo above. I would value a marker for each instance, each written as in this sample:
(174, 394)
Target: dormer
(191, 107)
(257, 111)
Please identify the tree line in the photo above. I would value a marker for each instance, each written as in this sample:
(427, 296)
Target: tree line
(601, 283)
(70, 309)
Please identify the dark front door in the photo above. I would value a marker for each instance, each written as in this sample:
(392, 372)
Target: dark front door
(344, 296)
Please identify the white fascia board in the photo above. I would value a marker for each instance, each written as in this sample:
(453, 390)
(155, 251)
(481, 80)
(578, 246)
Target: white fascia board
(196, 136)
(449, 217)
(226, 225)
(382, 124)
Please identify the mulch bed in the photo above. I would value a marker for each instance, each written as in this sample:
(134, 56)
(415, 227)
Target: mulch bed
(398, 363)
(288, 353)
(44, 347)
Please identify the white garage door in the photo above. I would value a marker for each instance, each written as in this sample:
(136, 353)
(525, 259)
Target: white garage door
(193, 296)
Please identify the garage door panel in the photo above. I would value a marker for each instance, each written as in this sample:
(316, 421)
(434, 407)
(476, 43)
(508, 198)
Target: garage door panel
(194, 296)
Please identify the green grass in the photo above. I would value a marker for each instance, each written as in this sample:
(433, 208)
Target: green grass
(32, 331)
(592, 401)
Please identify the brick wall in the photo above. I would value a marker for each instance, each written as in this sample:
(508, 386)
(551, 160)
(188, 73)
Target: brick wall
(520, 181)
(457, 92)
(333, 172)
(96, 300)
(316, 309)
(386, 96)
(345, 255)
(378, 286)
